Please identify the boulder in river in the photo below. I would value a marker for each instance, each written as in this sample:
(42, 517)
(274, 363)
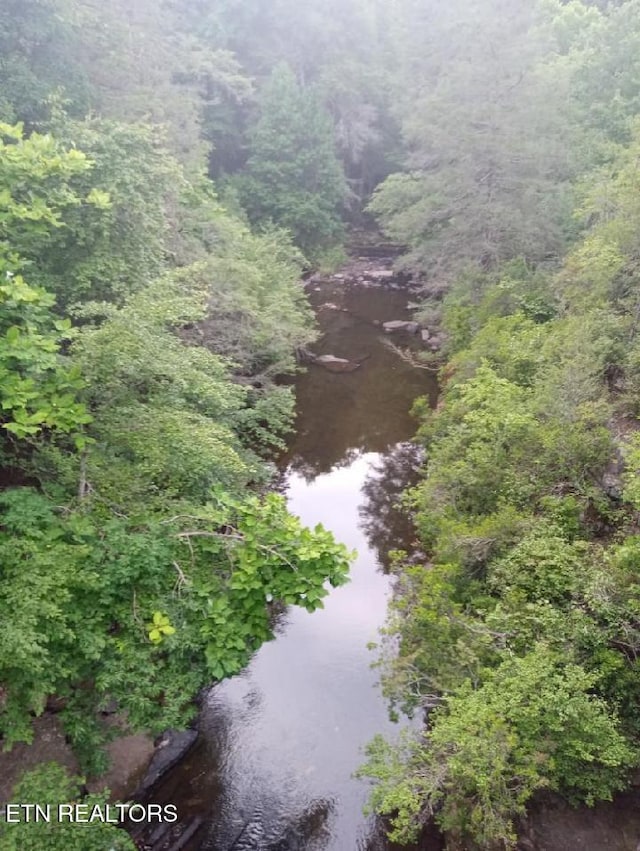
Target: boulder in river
(324, 359)
(334, 364)
(173, 746)
(425, 336)
(379, 274)
(401, 325)
(437, 341)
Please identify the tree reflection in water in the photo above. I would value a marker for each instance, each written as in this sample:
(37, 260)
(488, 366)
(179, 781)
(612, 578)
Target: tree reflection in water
(386, 524)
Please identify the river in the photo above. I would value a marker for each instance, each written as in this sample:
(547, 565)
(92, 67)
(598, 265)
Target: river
(280, 742)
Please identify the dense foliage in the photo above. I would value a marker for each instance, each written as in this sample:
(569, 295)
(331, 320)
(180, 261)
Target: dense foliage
(142, 327)
(49, 786)
(518, 637)
(145, 313)
(293, 176)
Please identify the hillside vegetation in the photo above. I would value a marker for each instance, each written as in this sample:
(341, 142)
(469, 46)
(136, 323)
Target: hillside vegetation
(168, 170)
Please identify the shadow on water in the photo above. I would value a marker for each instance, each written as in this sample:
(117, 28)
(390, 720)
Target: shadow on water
(273, 769)
(384, 523)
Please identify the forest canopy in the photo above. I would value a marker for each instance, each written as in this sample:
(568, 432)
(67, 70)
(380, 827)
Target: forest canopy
(168, 173)
(142, 327)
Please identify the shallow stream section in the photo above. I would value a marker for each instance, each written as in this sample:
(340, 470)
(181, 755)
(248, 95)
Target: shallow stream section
(273, 769)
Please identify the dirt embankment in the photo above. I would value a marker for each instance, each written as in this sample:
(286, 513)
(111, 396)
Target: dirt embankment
(129, 756)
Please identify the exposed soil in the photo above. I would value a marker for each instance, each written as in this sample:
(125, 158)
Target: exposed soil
(614, 826)
(129, 756)
(48, 746)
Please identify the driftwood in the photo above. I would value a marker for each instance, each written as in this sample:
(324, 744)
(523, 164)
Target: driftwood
(412, 358)
(165, 837)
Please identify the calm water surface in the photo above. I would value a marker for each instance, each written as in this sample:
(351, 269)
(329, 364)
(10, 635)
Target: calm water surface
(281, 741)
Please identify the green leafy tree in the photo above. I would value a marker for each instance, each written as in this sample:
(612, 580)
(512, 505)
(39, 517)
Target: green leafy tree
(203, 577)
(533, 544)
(153, 569)
(124, 239)
(39, 386)
(35, 191)
(50, 785)
(168, 418)
(39, 63)
(533, 724)
(488, 140)
(293, 176)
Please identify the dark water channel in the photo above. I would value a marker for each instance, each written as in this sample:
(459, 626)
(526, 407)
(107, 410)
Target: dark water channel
(280, 742)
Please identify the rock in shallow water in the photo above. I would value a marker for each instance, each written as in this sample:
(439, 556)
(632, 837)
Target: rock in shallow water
(334, 364)
(173, 747)
(401, 325)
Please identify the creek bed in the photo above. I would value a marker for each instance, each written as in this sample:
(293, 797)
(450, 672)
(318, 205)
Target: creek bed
(280, 742)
